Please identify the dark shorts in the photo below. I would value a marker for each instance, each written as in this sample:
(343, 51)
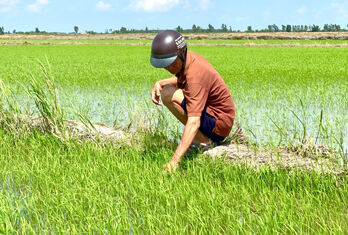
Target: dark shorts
(207, 124)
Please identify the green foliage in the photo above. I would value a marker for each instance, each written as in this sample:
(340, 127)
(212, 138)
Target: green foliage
(2, 30)
(76, 29)
(224, 28)
(332, 28)
(210, 28)
(179, 29)
(48, 186)
(123, 30)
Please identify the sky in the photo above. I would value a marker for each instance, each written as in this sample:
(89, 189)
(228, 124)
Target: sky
(101, 15)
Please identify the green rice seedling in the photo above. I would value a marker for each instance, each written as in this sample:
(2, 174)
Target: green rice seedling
(45, 96)
(48, 186)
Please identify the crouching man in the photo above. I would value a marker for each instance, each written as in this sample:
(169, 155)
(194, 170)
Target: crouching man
(197, 95)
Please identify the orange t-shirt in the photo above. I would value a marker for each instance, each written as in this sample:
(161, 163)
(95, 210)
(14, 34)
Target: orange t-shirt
(202, 85)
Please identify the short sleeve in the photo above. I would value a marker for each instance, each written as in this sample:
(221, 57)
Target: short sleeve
(196, 99)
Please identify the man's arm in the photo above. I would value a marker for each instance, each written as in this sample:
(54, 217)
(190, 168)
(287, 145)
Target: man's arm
(157, 88)
(172, 81)
(190, 131)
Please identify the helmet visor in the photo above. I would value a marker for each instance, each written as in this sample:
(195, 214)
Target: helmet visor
(162, 62)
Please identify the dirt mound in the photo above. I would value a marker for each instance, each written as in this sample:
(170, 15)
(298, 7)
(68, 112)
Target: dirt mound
(274, 158)
(69, 129)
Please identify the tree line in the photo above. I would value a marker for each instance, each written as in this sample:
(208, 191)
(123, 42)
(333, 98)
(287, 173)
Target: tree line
(197, 29)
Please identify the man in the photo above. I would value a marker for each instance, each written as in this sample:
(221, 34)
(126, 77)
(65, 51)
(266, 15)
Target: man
(196, 95)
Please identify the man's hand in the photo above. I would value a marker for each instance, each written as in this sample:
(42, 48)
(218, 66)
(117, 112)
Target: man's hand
(170, 167)
(156, 93)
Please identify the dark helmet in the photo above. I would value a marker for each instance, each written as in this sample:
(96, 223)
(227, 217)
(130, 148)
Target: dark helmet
(166, 47)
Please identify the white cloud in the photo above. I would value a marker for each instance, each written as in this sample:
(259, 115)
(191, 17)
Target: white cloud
(154, 5)
(37, 6)
(103, 6)
(302, 10)
(167, 5)
(266, 13)
(341, 8)
(204, 4)
(7, 5)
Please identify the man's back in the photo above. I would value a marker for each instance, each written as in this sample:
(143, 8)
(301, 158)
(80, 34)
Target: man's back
(203, 86)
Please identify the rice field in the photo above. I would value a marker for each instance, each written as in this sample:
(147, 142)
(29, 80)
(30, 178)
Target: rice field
(282, 95)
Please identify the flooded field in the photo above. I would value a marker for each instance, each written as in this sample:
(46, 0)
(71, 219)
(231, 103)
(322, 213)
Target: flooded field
(286, 88)
(283, 95)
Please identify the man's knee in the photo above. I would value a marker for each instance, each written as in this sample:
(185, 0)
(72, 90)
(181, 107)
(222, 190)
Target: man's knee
(167, 94)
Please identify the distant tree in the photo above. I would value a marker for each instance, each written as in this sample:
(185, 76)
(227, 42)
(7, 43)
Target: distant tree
(306, 28)
(326, 27)
(199, 29)
(337, 27)
(273, 28)
(146, 29)
(224, 28)
(179, 29)
(210, 28)
(14, 31)
(76, 29)
(2, 30)
(194, 28)
(288, 28)
(123, 30)
(269, 28)
(315, 28)
(283, 28)
(37, 30)
(230, 28)
(249, 29)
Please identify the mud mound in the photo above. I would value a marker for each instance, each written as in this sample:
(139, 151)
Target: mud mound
(274, 158)
(68, 129)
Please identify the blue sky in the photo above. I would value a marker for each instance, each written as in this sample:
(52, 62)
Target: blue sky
(98, 15)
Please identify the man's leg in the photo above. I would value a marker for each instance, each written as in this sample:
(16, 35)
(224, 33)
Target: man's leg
(172, 98)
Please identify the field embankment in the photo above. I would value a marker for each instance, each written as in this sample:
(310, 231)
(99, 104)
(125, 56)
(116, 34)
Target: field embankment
(321, 39)
(203, 36)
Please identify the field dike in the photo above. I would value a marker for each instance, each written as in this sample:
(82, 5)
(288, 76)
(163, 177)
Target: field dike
(345, 45)
(189, 36)
(237, 150)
